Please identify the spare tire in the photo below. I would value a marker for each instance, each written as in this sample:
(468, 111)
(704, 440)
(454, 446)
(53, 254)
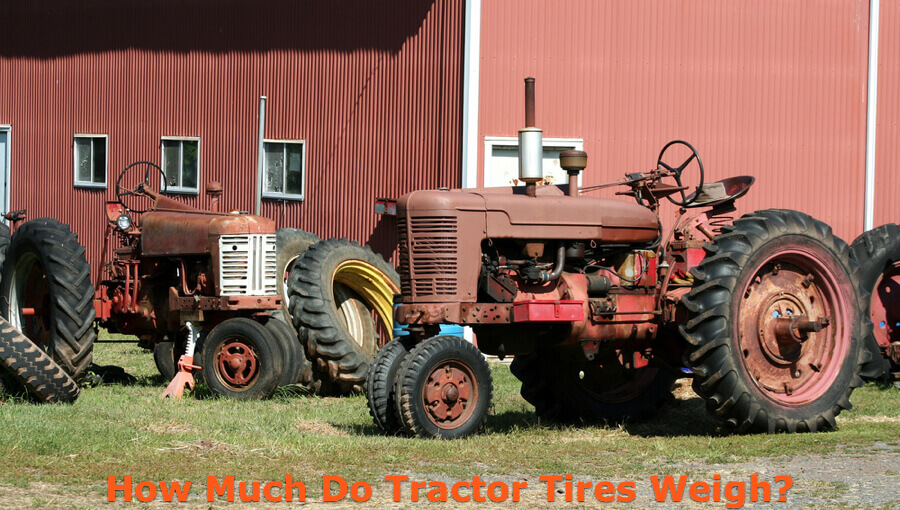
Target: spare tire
(342, 293)
(878, 254)
(47, 294)
(33, 369)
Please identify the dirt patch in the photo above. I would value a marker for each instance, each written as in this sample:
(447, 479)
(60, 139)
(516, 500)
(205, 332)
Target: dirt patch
(319, 427)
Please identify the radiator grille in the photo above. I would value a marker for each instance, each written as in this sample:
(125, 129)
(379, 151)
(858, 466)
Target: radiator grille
(247, 265)
(428, 256)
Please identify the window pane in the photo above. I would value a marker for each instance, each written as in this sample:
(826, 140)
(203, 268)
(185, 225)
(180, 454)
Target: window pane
(294, 176)
(83, 159)
(191, 160)
(171, 155)
(274, 167)
(99, 160)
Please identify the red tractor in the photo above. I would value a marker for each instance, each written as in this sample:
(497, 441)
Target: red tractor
(603, 310)
(172, 275)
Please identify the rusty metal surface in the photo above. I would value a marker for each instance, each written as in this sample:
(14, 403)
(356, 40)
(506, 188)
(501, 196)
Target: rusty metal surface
(774, 89)
(372, 86)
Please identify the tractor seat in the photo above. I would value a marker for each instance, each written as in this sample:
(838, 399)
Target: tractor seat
(719, 192)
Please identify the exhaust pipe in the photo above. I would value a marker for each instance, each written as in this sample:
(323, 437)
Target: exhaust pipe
(531, 145)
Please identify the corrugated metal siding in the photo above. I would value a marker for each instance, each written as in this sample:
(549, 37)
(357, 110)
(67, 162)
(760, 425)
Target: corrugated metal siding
(887, 154)
(773, 88)
(372, 86)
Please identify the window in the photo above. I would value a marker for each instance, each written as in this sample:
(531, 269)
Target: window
(501, 160)
(285, 167)
(90, 160)
(181, 163)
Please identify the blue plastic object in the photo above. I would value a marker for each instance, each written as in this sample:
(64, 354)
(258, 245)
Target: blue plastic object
(446, 329)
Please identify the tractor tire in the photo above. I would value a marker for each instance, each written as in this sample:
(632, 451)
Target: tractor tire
(451, 375)
(4, 243)
(290, 245)
(165, 358)
(240, 359)
(878, 254)
(342, 293)
(380, 384)
(33, 369)
(295, 363)
(767, 268)
(564, 386)
(46, 271)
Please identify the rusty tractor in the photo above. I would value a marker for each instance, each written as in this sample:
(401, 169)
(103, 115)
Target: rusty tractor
(176, 277)
(603, 310)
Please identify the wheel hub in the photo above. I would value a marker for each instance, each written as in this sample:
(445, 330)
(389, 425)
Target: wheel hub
(448, 393)
(778, 348)
(237, 363)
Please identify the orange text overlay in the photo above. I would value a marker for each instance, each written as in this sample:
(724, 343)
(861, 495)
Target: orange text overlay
(734, 494)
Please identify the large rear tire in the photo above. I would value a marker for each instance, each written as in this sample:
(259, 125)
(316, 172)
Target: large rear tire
(241, 360)
(33, 369)
(564, 386)
(768, 269)
(342, 294)
(878, 254)
(47, 294)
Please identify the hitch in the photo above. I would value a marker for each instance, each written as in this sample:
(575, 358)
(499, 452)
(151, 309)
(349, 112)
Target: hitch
(184, 377)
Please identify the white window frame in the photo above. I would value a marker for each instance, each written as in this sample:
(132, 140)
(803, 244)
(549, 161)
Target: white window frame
(4, 206)
(90, 184)
(162, 164)
(286, 196)
(512, 142)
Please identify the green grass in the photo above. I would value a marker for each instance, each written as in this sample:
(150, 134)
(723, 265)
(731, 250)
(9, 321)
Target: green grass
(116, 429)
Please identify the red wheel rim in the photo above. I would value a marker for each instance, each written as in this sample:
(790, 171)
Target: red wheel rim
(885, 307)
(450, 394)
(237, 364)
(792, 285)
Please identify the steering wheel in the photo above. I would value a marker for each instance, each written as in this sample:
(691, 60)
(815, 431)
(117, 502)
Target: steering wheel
(124, 188)
(677, 171)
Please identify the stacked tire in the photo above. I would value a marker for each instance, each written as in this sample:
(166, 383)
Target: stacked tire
(340, 298)
(46, 300)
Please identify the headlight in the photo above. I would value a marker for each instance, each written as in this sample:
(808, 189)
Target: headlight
(123, 222)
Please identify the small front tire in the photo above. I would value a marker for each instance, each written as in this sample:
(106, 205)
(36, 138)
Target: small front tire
(241, 360)
(443, 389)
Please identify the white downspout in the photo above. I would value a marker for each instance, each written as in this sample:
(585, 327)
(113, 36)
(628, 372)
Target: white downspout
(471, 67)
(260, 156)
(871, 112)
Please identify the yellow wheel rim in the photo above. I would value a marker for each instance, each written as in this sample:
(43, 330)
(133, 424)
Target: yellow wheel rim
(375, 287)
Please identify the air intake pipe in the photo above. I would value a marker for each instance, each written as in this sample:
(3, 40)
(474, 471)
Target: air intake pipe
(531, 145)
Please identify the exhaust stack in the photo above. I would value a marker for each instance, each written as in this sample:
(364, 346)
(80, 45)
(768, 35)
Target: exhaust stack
(531, 145)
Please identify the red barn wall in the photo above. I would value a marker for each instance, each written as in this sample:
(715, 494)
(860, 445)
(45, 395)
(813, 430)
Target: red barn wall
(887, 153)
(373, 86)
(773, 88)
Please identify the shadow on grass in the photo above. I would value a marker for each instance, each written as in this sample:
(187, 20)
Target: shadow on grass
(681, 418)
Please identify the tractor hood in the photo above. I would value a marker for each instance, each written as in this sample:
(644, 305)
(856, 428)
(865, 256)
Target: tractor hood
(194, 233)
(509, 213)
